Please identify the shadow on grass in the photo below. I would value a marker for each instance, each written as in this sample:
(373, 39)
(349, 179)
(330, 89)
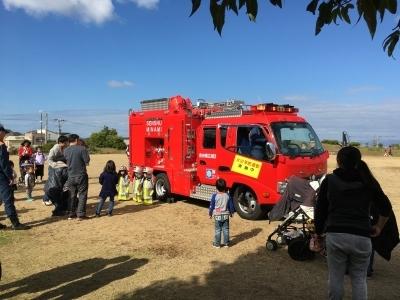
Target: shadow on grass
(236, 239)
(196, 202)
(90, 212)
(266, 275)
(19, 212)
(73, 280)
(258, 275)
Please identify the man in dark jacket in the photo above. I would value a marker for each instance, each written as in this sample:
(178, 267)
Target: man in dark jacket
(6, 178)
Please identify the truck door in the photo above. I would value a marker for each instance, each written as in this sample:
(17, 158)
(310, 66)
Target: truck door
(207, 155)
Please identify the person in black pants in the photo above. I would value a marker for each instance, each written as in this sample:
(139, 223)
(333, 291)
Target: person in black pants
(6, 180)
(77, 158)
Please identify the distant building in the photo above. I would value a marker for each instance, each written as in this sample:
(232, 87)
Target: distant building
(13, 141)
(38, 138)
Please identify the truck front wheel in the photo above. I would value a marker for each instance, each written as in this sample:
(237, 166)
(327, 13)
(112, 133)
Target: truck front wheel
(162, 186)
(246, 205)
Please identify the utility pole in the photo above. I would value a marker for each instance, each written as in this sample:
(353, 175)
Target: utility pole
(59, 121)
(41, 128)
(46, 126)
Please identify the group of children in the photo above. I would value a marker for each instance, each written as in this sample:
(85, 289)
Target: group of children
(118, 184)
(31, 167)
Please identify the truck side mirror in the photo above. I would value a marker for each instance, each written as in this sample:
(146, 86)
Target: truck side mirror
(270, 151)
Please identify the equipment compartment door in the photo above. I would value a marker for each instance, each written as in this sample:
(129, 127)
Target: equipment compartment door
(207, 155)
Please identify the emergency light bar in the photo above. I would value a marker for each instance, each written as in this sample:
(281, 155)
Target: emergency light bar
(272, 107)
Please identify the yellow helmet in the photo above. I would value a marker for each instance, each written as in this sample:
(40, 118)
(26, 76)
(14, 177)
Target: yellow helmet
(138, 169)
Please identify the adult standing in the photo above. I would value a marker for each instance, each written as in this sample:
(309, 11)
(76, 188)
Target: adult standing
(78, 182)
(343, 210)
(24, 154)
(57, 177)
(6, 180)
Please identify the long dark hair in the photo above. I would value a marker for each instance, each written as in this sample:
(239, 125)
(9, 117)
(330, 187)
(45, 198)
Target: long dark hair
(366, 175)
(349, 158)
(110, 167)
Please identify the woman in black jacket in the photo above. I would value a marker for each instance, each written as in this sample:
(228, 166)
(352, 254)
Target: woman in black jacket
(343, 212)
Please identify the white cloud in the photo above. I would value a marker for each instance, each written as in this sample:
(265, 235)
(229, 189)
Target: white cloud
(88, 11)
(361, 120)
(363, 89)
(148, 4)
(97, 11)
(115, 84)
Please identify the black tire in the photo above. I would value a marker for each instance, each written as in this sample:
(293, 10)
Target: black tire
(299, 249)
(246, 205)
(162, 187)
(271, 245)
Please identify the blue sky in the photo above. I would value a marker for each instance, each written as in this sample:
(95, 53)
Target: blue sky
(88, 62)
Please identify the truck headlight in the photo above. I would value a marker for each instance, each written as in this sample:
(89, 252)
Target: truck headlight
(281, 187)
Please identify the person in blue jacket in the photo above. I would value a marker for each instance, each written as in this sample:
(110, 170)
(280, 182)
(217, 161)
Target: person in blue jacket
(221, 208)
(108, 180)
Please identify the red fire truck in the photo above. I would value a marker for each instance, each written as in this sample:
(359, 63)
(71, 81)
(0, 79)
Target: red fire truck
(255, 148)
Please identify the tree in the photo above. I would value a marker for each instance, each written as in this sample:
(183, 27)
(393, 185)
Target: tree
(329, 11)
(355, 144)
(106, 138)
(330, 142)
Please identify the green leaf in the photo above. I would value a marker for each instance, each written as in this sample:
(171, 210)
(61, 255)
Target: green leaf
(381, 8)
(369, 13)
(195, 6)
(390, 42)
(276, 3)
(391, 5)
(386, 41)
(345, 14)
(325, 12)
(232, 5)
(252, 9)
(312, 6)
(218, 15)
(318, 25)
(392, 45)
(335, 14)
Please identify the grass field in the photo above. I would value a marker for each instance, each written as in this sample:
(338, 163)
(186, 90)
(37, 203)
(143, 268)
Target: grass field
(164, 252)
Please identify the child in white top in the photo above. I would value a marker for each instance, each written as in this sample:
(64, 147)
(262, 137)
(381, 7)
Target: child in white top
(29, 182)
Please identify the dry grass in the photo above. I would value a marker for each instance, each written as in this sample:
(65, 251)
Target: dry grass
(164, 252)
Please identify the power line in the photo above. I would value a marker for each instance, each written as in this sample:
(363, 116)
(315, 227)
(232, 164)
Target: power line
(59, 121)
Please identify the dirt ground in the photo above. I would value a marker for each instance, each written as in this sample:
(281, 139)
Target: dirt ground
(164, 252)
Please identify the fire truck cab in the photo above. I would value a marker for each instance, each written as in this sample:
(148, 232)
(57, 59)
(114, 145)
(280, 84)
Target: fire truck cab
(255, 148)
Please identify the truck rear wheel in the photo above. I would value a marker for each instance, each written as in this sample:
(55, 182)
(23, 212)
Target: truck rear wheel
(162, 186)
(246, 205)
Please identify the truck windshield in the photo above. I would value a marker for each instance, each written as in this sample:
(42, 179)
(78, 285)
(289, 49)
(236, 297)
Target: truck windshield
(296, 139)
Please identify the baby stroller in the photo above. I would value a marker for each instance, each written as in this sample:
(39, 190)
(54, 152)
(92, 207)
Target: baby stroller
(296, 208)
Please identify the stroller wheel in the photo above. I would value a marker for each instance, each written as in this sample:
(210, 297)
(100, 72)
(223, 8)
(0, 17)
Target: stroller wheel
(271, 245)
(280, 240)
